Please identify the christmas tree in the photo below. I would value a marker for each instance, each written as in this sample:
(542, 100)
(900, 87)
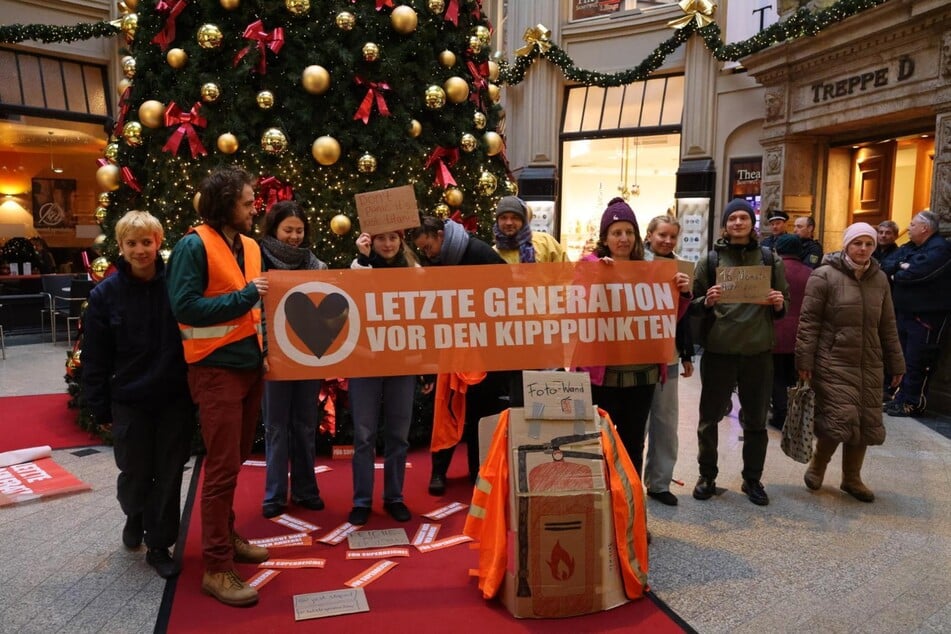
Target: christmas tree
(319, 100)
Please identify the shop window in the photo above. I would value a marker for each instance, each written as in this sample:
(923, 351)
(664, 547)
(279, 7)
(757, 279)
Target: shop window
(30, 83)
(656, 102)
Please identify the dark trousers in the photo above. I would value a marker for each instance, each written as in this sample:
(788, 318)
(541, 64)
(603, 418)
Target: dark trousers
(784, 377)
(151, 446)
(628, 408)
(482, 399)
(229, 405)
(920, 338)
(753, 377)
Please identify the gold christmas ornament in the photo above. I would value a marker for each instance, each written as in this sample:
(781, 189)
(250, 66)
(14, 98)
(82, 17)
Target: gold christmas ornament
(436, 6)
(478, 120)
(210, 92)
(176, 58)
(495, 93)
(130, 5)
(326, 150)
(453, 197)
(101, 214)
(345, 21)
(415, 128)
(457, 89)
(132, 133)
(165, 254)
(487, 183)
(111, 152)
(468, 142)
(366, 164)
(99, 240)
(129, 24)
(447, 58)
(484, 35)
(403, 19)
(152, 113)
(494, 69)
(297, 7)
(103, 199)
(98, 268)
(209, 36)
(475, 45)
(228, 143)
(273, 141)
(441, 211)
(195, 201)
(511, 187)
(107, 177)
(265, 99)
(435, 97)
(122, 85)
(229, 5)
(315, 79)
(493, 143)
(340, 225)
(371, 52)
(128, 66)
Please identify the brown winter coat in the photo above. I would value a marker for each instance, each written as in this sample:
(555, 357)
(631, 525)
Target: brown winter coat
(847, 337)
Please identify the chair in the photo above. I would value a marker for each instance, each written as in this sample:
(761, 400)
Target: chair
(55, 286)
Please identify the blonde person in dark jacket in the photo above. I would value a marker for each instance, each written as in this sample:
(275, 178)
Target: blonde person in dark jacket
(846, 330)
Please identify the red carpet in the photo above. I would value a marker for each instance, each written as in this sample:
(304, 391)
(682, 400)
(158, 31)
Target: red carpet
(33, 421)
(429, 592)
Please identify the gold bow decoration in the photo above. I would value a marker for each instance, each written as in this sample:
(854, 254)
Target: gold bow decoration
(699, 11)
(539, 36)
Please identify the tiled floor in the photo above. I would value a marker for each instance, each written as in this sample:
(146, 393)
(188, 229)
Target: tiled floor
(808, 562)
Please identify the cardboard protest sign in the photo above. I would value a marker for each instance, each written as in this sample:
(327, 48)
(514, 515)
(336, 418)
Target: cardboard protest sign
(744, 284)
(385, 210)
(431, 320)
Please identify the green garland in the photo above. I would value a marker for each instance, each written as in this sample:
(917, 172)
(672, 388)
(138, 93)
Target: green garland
(13, 33)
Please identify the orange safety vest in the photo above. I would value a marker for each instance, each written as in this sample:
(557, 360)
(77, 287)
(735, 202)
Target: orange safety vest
(224, 276)
(487, 522)
(449, 407)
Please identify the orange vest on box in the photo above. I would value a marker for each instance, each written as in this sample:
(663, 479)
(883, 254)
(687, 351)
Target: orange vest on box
(224, 276)
(449, 407)
(487, 522)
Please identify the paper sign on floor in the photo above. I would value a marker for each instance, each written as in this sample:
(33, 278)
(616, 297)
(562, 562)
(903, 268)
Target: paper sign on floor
(34, 480)
(284, 541)
(378, 553)
(317, 605)
(425, 534)
(338, 534)
(446, 542)
(371, 574)
(377, 539)
(446, 511)
(294, 523)
(293, 563)
(262, 577)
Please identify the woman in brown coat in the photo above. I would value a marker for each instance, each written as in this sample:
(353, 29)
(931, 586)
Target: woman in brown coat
(846, 334)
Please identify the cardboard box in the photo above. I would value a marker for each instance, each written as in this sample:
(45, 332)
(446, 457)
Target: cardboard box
(562, 559)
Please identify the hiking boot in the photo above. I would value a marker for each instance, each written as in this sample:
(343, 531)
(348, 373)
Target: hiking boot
(706, 488)
(397, 511)
(228, 588)
(163, 563)
(664, 497)
(132, 531)
(755, 492)
(245, 553)
(359, 515)
(272, 510)
(314, 504)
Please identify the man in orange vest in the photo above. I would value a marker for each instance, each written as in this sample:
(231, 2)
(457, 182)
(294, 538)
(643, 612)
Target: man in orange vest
(215, 286)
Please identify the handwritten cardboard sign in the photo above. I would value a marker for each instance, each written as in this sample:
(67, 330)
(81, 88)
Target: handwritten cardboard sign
(744, 284)
(686, 266)
(557, 395)
(377, 539)
(317, 605)
(385, 210)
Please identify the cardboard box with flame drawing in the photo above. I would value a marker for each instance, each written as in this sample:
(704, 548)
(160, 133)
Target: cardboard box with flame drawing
(562, 557)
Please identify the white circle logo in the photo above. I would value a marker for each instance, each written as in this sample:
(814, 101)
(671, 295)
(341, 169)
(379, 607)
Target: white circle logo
(305, 331)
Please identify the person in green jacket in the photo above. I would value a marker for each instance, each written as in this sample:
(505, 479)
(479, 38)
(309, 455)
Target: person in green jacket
(737, 343)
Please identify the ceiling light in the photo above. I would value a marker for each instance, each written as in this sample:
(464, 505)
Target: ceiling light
(55, 170)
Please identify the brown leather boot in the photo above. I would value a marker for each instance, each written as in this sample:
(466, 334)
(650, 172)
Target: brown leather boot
(228, 588)
(852, 458)
(245, 553)
(820, 458)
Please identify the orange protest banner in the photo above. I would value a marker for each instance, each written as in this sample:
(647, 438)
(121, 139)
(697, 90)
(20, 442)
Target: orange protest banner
(32, 480)
(388, 322)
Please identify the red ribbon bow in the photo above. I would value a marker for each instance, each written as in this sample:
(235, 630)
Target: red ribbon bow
(123, 111)
(452, 12)
(102, 162)
(256, 33)
(186, 122)
(470, 223)
(167, 35)
(479, 73)
(379, 3)
(374, 93)
(129, 179)
(439, 157)
(273, 190)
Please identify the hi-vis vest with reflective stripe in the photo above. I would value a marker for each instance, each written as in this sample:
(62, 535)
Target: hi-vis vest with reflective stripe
(224, 276)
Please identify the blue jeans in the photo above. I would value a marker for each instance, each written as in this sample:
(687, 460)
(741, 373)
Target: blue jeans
(391, 396)
(290, 428)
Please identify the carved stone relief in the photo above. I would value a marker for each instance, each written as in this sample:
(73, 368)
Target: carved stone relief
(775, 105)
(946, 56)
(770, 198)
(774, 161)
(941, 196)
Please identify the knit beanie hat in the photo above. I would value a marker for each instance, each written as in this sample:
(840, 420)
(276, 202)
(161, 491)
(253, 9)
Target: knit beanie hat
(511, 204)
(856, 230)
(617, 211)
(788, 244)
(737, 204)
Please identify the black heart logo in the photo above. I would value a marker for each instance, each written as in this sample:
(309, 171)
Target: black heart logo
(317, 326)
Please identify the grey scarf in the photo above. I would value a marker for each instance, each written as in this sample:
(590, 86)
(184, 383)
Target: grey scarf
(284, 256)
(455, 239)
